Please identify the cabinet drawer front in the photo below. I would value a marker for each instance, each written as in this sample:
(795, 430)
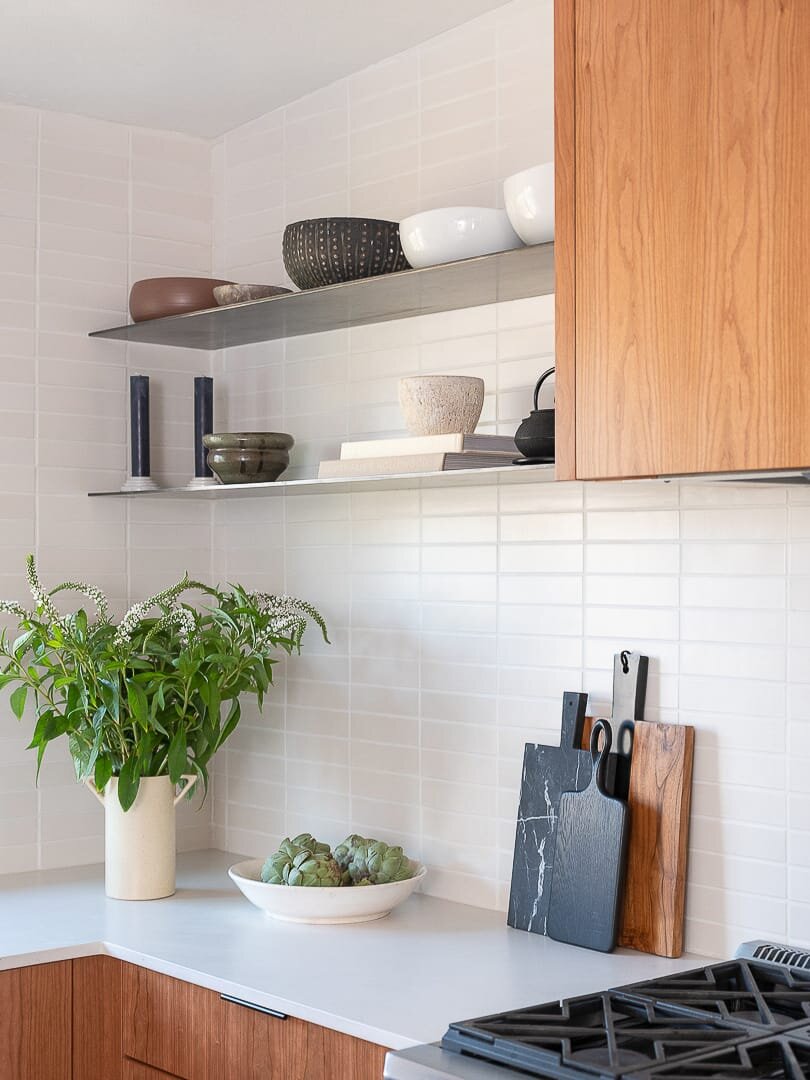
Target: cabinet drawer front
(261, 1047)
(168, 1024)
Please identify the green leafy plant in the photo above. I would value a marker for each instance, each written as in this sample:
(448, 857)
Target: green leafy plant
(157, 693)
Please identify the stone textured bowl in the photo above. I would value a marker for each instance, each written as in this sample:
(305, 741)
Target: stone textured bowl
(248, 466)
(249, 440)
(155, 298)
(240, 294)
(322, 905)
(441, 404)
(327, 251)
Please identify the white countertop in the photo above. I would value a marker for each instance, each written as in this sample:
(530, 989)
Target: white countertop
(397, 982)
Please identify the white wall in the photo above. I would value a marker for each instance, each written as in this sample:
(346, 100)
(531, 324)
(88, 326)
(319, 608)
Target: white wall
(459, 617)
(86, 208)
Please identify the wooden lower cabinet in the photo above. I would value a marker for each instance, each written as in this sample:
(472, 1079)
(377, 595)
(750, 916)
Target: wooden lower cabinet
(35, 1022)
(99, 1018)
(97, 988)
(256, 1045)
(188, 1032)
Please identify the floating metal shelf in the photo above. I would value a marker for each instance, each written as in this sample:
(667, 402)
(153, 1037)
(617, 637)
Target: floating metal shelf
(508, 474)
(488, 279)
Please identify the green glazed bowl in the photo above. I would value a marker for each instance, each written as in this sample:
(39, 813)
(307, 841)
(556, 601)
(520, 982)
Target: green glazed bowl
(234, 466)
(249, 440)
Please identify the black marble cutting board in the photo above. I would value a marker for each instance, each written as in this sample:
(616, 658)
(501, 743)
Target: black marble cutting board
(548, 771)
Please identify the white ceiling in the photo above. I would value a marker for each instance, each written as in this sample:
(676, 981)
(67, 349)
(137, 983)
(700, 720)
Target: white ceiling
(201, 66)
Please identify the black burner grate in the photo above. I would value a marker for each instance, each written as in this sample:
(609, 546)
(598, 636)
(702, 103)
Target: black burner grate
(605, 1035)
(779, 1057)
(736, 992)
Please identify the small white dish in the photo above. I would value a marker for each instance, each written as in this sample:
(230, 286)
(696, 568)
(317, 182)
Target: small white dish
(455, 232)
(529, 200)
(321, 905)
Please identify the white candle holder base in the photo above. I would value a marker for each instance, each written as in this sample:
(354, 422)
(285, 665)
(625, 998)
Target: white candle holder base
(201, 482)
(140, 483)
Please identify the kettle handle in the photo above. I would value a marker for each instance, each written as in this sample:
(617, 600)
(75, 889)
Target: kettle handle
(540, 382)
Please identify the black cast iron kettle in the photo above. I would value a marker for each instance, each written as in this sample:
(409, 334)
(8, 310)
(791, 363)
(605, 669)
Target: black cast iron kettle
(535, 436)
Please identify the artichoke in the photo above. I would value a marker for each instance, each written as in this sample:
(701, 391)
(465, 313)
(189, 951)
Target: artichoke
(372, 862)
(306, 842)
(345, 852)
(386, 864)
(279, 863)
(313, 870)
(274, 867)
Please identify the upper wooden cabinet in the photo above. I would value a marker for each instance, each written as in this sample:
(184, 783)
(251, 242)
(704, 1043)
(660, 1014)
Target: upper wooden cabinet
(683, 236)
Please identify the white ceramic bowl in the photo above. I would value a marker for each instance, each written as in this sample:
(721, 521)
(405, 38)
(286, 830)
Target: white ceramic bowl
(302, 905)
(441, 404)
(529, 200)
(456, 232)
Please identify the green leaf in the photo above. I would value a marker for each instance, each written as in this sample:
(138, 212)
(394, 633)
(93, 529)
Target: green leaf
(234, 716)
(103, 772)
(17, 701)
(129, 780)
(178, 756)
(81, 752)
(138, 704)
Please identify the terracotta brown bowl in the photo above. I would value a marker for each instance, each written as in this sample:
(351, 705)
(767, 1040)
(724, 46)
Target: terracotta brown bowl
(327, 251)
(248, 466)
(155, 298)
(249, 440)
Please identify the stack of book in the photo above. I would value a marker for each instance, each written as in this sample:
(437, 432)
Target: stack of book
(420, 454)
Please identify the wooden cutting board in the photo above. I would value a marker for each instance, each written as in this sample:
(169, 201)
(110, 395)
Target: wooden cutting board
(659, 802)
(589, 865)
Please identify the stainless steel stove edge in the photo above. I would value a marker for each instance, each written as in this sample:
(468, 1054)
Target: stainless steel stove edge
(432, 1063)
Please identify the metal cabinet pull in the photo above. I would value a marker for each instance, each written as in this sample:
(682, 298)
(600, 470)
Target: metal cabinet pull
(256, 1008)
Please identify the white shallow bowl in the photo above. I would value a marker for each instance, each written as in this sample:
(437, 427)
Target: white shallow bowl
(456, 232)
(529, 200)
(338, 905)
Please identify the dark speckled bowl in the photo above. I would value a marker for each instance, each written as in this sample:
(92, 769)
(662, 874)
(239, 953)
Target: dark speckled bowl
(326, 251)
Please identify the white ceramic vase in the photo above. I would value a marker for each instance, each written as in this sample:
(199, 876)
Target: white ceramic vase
(139, 844)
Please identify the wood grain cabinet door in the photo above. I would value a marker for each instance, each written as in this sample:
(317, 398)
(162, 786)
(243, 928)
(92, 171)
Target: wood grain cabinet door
(35, 1022)
(261, 1047)
(97, 1051)
(692, 227)
(170, 1025)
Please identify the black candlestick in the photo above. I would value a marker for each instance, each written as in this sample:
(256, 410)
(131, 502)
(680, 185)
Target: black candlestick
(139, 424)
(203, 423)
(140, 479)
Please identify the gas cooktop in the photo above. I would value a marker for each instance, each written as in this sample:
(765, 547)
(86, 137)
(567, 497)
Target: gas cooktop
(748, 1017)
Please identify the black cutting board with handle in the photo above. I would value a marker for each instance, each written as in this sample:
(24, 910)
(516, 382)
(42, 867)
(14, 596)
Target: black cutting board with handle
(590, 856)
(548, 771)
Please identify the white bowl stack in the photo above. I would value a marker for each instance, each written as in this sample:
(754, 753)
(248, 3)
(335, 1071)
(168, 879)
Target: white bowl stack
(452, 233)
